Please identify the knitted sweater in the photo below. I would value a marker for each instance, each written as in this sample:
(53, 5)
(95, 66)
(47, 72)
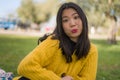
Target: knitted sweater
(46, 62)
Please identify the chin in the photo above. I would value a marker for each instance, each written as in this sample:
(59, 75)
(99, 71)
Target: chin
(75, 35)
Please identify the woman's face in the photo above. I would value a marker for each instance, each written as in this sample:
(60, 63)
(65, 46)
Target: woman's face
(72, 24)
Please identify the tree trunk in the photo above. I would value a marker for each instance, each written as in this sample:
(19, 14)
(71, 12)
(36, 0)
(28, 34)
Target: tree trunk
(112, 30)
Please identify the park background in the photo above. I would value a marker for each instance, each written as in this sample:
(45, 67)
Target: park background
(22, 22)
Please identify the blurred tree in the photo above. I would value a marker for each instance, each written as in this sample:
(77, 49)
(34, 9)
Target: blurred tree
(27, 11)
(46, 10)
(111, 14)
(37, 12)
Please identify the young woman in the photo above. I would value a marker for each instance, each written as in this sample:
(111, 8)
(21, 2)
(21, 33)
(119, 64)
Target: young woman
(66, 54)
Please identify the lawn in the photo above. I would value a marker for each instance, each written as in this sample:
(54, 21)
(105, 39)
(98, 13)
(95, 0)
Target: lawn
(109, 60)
(14, 48)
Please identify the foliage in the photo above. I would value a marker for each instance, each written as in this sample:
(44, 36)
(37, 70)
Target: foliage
(27, 10)
(35, 11)
(95, 9)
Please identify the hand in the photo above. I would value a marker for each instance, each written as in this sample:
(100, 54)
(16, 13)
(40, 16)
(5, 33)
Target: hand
(67, 78)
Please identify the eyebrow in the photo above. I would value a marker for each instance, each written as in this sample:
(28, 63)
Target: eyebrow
(72, 15)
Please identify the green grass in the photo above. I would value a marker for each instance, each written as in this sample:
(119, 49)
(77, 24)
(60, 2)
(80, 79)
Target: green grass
(109, 60)
(14, 48)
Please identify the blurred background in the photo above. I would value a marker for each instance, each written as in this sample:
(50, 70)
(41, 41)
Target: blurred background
(22, 22)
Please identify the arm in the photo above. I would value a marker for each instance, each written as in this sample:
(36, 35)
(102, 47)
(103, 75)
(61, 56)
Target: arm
(33, 65)
(89, 69)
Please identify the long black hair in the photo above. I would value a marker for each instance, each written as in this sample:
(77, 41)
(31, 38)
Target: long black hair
(83, 44)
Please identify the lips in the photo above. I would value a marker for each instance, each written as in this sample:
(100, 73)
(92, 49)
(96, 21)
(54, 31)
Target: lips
(74, 30)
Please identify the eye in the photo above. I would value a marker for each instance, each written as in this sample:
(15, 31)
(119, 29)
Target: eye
(65, 20)
(76, 17)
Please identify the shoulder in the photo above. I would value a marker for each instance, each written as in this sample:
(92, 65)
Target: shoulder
(93, 49)
(49, 42)
(48, 47)
(93, 46)
(93, 53)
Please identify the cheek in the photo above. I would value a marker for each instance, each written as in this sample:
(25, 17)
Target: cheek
(81, 28)
(79, 22)
(65, 27)
(80, 25)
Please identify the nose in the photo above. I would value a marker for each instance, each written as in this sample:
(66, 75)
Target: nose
(72, 23)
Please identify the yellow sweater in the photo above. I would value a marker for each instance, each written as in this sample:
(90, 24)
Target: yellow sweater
(46, 62)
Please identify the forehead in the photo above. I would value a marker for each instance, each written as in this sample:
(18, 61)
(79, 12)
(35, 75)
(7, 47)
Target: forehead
(69, 11)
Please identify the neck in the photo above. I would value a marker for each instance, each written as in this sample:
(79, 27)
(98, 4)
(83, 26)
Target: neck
(74, 40)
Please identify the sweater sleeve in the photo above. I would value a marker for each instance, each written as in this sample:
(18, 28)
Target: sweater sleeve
(89, 69)
(33, 65)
